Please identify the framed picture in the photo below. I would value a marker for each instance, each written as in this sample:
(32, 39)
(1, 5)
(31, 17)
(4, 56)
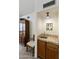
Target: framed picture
(49, 26)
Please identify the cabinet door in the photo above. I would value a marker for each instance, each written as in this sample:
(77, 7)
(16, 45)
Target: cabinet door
(41, 49)
(52, 51)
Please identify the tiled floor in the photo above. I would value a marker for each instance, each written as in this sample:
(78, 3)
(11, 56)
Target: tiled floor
(23, 54)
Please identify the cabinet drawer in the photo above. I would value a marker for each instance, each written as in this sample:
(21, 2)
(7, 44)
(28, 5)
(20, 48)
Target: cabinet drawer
(52, 45)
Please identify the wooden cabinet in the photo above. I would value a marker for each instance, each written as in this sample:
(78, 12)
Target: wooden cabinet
(52, 51)
(41, 49)
(47, 50)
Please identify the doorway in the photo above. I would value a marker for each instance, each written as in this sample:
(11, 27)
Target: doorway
(23, 31)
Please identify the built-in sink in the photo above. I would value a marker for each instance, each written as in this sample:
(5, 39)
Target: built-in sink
(43, 37)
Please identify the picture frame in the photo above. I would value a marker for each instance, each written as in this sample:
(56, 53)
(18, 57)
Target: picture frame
(49, 26)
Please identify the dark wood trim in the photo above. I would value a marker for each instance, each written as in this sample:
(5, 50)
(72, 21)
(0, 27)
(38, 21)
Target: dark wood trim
(26, 33)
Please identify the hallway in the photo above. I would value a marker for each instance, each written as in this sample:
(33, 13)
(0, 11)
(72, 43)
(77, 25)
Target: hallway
(23, 54)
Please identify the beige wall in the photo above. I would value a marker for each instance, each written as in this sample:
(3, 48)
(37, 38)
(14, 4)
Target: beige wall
(41, 28)
(42, 20)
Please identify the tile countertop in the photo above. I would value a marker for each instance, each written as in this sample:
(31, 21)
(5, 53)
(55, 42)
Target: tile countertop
(50, 39)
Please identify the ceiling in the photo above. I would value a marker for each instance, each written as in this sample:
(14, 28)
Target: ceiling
(26, 7)
(29, 6)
